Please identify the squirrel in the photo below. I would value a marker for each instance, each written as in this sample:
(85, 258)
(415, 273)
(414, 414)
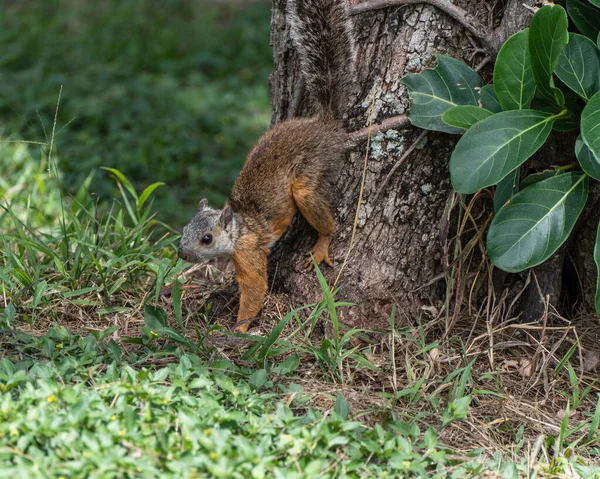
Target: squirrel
(289, 169)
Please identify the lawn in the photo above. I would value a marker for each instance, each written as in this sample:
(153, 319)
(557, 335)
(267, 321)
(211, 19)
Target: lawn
(175, 91)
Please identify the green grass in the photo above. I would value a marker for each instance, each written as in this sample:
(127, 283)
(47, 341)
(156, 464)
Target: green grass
(172, 91)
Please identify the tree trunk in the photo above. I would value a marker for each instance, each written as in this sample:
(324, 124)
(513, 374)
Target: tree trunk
(398, 249)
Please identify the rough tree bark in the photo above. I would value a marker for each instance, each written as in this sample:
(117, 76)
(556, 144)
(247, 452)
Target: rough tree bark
(397, 254)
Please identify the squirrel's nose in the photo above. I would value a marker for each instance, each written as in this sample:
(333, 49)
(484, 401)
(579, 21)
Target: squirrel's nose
(182, 253)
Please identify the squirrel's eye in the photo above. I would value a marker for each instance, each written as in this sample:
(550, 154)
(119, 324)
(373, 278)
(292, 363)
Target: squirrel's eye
(206, 239)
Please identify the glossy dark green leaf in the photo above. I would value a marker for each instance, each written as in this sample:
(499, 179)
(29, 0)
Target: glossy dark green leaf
(569, 121)
(588, 161)
(538, 219)
(508, 186)
(493, 148)
(597, 261)
(464, 116)
(432, 92)
(579, 66)
(547, 36)
(513, 78)
(489, 100)
(585, 18)
(590, 124)
(537, 177)
(595, 2)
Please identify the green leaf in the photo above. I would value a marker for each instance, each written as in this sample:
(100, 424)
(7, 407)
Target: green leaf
(9, 314)
(579, 66)
(589, 163)
(174, 335)
(510, 471)
(538, 219)
(430, 438)
(342, 408)
(258, 378)
(176, 296)
(464, 116)
(562, 435)
(146, 193)
(115, 350)
(456, 410)
(595, 2)
(101, 335)
(547, 36)
(154, 317)
(123, 180)
(585, 18)
(225, 383)
(432, 92)
(508, 186)
(596, 419)
(537, 177)
(569, 120)
(513, 78)
(489, 100)
(590, 125)
(496, 146)
(162, 270)
(289, 365)
(275, 333)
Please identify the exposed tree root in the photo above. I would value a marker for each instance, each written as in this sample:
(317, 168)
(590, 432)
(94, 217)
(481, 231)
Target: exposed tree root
(490, 39)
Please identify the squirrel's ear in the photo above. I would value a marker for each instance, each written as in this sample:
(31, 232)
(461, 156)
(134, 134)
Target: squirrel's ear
(202, 204)
(226, 216)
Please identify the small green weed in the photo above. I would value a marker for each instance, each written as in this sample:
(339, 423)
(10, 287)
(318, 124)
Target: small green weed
(69, 251)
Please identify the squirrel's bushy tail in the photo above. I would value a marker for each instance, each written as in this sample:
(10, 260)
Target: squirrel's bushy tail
(322, 34)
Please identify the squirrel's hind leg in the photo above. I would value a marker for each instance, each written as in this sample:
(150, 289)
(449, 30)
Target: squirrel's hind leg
(315, 208)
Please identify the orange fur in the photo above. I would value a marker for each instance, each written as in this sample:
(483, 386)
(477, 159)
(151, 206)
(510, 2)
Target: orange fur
(251, 272)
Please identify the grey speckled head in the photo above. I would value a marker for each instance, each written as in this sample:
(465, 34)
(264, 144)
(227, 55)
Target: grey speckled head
(208, 235)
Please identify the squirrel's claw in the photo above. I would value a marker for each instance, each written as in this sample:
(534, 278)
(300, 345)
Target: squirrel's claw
(309, 265)
(242, 326)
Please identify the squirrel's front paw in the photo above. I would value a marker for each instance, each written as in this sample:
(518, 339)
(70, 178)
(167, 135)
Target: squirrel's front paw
(319, 258)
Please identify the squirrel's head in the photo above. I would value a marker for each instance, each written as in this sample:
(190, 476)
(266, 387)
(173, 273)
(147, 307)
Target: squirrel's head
(208, 235)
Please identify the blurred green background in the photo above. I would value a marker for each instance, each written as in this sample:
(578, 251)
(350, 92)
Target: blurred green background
(172, 90)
